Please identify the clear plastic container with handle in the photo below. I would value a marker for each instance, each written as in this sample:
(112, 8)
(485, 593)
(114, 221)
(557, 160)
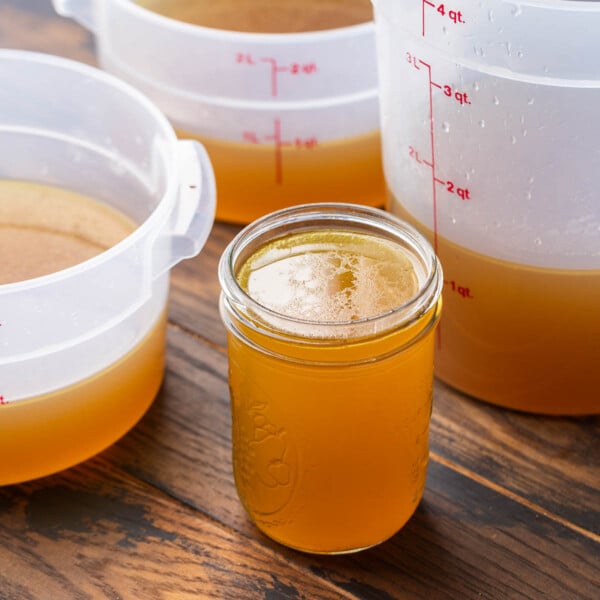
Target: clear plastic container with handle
(81, 349)
(286, 118)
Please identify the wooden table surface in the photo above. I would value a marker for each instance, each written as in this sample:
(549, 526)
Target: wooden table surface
(511, 507)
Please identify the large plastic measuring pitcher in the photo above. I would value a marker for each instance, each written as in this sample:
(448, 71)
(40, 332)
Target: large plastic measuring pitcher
(287, 118)
(491, 141)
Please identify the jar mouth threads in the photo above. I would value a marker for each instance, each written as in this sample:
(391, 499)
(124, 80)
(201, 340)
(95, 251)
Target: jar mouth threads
(334, 217)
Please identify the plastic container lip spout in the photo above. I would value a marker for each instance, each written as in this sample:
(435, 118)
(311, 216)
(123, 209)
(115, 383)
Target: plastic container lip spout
(286, 118)
(104, 317)
(489, 148)
(330, 312)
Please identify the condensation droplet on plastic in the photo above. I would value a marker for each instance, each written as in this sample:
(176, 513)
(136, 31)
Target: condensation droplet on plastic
(444, 30)
(496, 100)
(491, 16)
(528, 196)
(522, 119)
(482, 123)
(537, 241)
(453, 220)
(476, 86)
(446, 126)
(524, 132)
(508, 48)
(520, 54)
(467, 176)
(513, 139)
(516, 10)
(531, 179)
(530, 101)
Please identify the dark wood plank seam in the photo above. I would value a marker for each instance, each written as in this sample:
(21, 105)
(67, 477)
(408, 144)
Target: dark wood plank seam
(224, 526)
(196, 336)
(512, 496)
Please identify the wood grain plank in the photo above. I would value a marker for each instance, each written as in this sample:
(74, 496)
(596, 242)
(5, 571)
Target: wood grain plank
(550, 462)
(466, 540)
(93, 532)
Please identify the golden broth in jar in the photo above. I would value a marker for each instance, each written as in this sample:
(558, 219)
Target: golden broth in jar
(331, 368)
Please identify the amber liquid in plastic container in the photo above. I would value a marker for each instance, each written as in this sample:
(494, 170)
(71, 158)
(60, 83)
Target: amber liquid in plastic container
(265, 16)
(80, 420)
(521, 337)
(260, 172)
(256, 179)
(44, 229)
(330, 437)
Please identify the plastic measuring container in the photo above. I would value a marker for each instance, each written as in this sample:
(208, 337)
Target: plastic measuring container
(490, 145)
(286, 118)
(81, 349)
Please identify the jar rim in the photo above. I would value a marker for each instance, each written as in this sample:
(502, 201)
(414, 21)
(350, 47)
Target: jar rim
(345, 216)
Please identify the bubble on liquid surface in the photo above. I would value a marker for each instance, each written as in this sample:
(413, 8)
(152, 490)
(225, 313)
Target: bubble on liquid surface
(330, 276)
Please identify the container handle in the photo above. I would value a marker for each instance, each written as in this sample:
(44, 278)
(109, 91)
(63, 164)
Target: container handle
(193, 215)
(82, 11)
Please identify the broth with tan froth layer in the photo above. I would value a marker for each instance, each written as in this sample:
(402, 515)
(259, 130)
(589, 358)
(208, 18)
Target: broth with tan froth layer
(330, 276)
(330, 443)
(265, 16)
(44, 229)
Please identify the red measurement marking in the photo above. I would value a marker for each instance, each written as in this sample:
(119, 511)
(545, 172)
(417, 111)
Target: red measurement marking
(251, 137)
(276, 69)
(454, 16)
(463, 291)
(432, 141)
(279, 144)
(461, 192)
(3, 401)
(460, 97)
(243, 58)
